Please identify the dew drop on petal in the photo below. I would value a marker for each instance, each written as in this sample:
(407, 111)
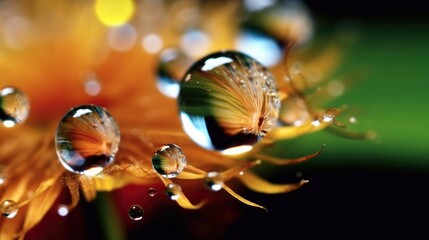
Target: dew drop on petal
(151, 192)
(172, 65)
(135, 212)
(169, 160)
(228, 99)
(14, 106)
(173, 191)
(9, 209)
(87, 139)
(63, 210)
(213, 181)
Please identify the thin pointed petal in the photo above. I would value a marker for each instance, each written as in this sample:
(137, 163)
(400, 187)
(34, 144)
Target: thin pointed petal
(242, 199)
(258, 184)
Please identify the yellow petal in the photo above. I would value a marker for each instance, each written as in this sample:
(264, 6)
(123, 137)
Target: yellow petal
(240, 198)
(286, 161)
(183, 201)
(258, 184)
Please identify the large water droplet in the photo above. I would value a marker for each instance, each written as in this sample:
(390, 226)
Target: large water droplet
(151, 192)
(87, 139)
(169, 160)
(8, 208)
(135, 212)
(173, 191)
(14, 106)
(228, 99)
(172, 65)
(213, 181)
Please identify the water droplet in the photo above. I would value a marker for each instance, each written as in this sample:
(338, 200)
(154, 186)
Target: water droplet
(315, 123)
(298, 174)
(91, 84)
(173, 191)
(327, 117)
(353, 120)
(135, 212)
(260, 46)
(87, 139)
(9, 209)
(151, 192)
(217, 112)
(171, 68)
(63, 210)
(169, 160)
(14, 106)
(3, 175)
(335, 88)
(213, 181)
(294, 111)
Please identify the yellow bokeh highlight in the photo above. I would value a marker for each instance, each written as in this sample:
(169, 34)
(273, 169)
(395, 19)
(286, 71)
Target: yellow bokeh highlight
(114, 12)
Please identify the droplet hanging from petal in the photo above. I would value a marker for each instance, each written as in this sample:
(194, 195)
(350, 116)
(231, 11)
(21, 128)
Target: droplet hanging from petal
(213, 181)
(173, 191)
(14, 106)
(87, 139)
(8, 208)
(227, 100)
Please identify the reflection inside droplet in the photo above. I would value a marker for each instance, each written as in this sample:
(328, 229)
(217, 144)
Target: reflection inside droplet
(87, 139)
(169, 160)
(14, 106)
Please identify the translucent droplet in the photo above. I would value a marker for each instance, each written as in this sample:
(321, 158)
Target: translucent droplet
(63, 210)
(173, 191)
(14, 106)
(217, 112)
(87, 139)
(315, 123)
(135, 212)
(353, 120)
(151, 192)
(9, 209)
(169, 160)
(172, 65)
(327, 117)
(260, 46)
(294, 111)
(213, 181)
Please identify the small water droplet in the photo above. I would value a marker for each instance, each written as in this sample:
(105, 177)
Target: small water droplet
(14, 106)
(169, 160)
(327, 117)
(135, 212)
(353, 120)
(3, 175)
(83, 148)
(171, 68)
(9, 209)
(91, 83)
(294, 111)
(151, 192)
(335, 88)
(173, 191)
(63, 210)
(213, 181)
(215, 108)
(315, 123)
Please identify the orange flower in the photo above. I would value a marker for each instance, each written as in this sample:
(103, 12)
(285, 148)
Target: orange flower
(64, 54)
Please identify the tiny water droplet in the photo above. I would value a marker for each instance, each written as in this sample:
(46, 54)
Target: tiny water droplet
(91, 83)
(215, 108)
(63, 210)
(14, 106)
(9, 209)
(213, 181)
(315, 123)
(327, 117)
(294, 111)
(169, 160)
(353, 120)
(87, 139)
(171, 68)
(151, 192)
(135, 212)
(173, 191)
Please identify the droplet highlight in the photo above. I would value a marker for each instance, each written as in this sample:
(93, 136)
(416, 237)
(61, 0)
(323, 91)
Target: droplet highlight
(228, 99)
(63, 210)
(14, 106)
(135, 212)
(169, 160)
(213, 181)
(172, 191)
(9, 209)
(87, 139)
(172, 65)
